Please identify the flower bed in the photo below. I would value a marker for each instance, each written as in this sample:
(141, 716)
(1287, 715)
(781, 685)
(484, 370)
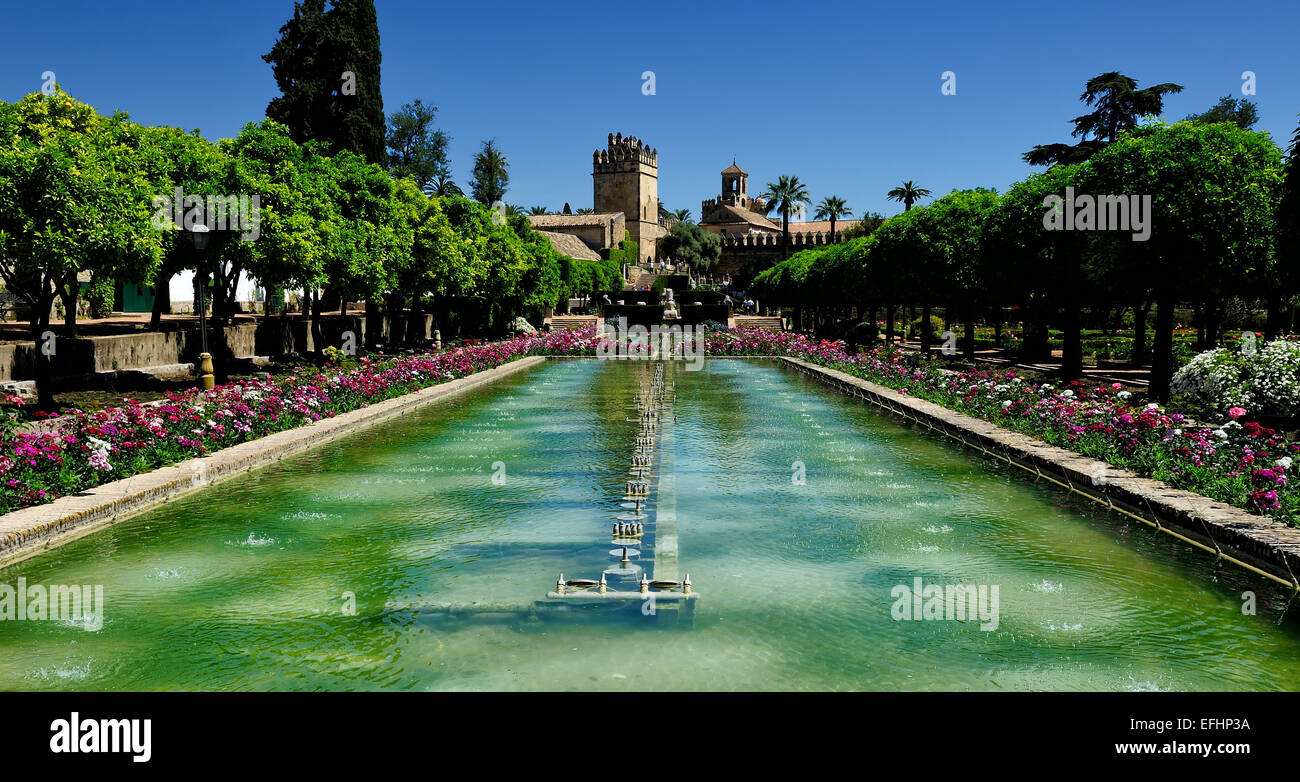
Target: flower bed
(83, 449)
(1238, 462)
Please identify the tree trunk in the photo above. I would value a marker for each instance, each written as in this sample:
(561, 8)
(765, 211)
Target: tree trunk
(1034, 346)
(44, 362)
(1273, 322)
(889, 324)
(1072, 351)
(162, 297)
(970, 329)
(1162, 362)
(1140, 311)
(68, 294)
(317, 332)
(925, 328)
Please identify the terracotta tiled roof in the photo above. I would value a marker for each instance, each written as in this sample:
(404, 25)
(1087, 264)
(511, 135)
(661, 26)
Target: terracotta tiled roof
(570, 245)
(547, 221)
(735, 169)
(734, 215)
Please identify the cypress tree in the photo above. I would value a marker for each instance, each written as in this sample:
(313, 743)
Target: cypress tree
(326, 63)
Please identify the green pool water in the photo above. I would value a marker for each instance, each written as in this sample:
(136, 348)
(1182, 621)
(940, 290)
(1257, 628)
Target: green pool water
(243, 586)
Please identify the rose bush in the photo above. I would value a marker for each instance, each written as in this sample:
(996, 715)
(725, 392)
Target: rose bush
(82, 450)
(1242, 464)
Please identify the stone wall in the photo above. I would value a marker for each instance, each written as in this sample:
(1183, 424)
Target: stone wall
(267, 337)
(740, 250)
(625, 178)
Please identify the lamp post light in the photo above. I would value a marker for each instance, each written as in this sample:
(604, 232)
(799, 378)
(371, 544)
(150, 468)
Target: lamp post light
(200, 232)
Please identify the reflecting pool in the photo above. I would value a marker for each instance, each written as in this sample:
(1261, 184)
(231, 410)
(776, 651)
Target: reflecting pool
(800, 514)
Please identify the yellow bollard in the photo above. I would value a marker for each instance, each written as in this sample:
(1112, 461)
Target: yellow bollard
(205, 371)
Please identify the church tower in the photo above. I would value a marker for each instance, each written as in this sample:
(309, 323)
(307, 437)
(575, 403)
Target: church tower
(625, 178)
(735, 185)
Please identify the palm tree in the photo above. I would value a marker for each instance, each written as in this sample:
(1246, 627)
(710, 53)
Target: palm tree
(908, 193)
(587, 211)
(441, 185)
(538, 210)
(682, 215)
(833, 208)
(1118, 105)
(788, 196)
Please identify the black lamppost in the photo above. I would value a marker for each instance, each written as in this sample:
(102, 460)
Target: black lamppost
(200, 285)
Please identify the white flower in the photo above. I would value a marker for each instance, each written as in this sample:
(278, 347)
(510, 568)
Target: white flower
(1124, 395)
(1006, 404)
(1067, 393)
(1177, 433)
(1284, 462)
(1153, 406)
(1219, 433)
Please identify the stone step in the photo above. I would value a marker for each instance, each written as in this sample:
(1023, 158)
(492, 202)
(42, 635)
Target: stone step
(771, 323)
(572, 322)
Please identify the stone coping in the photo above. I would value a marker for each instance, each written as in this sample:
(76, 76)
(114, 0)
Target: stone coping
(1256, 542)
(30, 531)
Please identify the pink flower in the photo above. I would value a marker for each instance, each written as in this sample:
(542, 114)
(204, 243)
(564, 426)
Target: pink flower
(1236, 412)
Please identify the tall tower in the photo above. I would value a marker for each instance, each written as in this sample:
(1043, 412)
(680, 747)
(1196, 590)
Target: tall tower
(625, 178)
(735, 185)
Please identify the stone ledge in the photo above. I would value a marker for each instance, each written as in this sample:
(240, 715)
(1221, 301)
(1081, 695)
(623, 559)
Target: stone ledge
(1255, 540)
(29, 531)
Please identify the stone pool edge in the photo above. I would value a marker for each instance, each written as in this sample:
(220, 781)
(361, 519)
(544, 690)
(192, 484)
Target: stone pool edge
(27, 532)
(1256, 540)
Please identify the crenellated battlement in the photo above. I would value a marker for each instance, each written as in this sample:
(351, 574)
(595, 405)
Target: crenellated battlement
(744, 202)
(623, 154)
(625, 178)
(800, 239)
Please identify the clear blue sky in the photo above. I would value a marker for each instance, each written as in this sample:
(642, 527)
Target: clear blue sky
(845, 95)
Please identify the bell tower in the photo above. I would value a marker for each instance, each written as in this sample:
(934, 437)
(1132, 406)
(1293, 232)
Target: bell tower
(735, 185)
(625, 178)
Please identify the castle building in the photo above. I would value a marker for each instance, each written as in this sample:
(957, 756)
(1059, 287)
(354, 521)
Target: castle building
(625, 178)
(582, 236)
(625, 186)
(751, 240)
(734, 212)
